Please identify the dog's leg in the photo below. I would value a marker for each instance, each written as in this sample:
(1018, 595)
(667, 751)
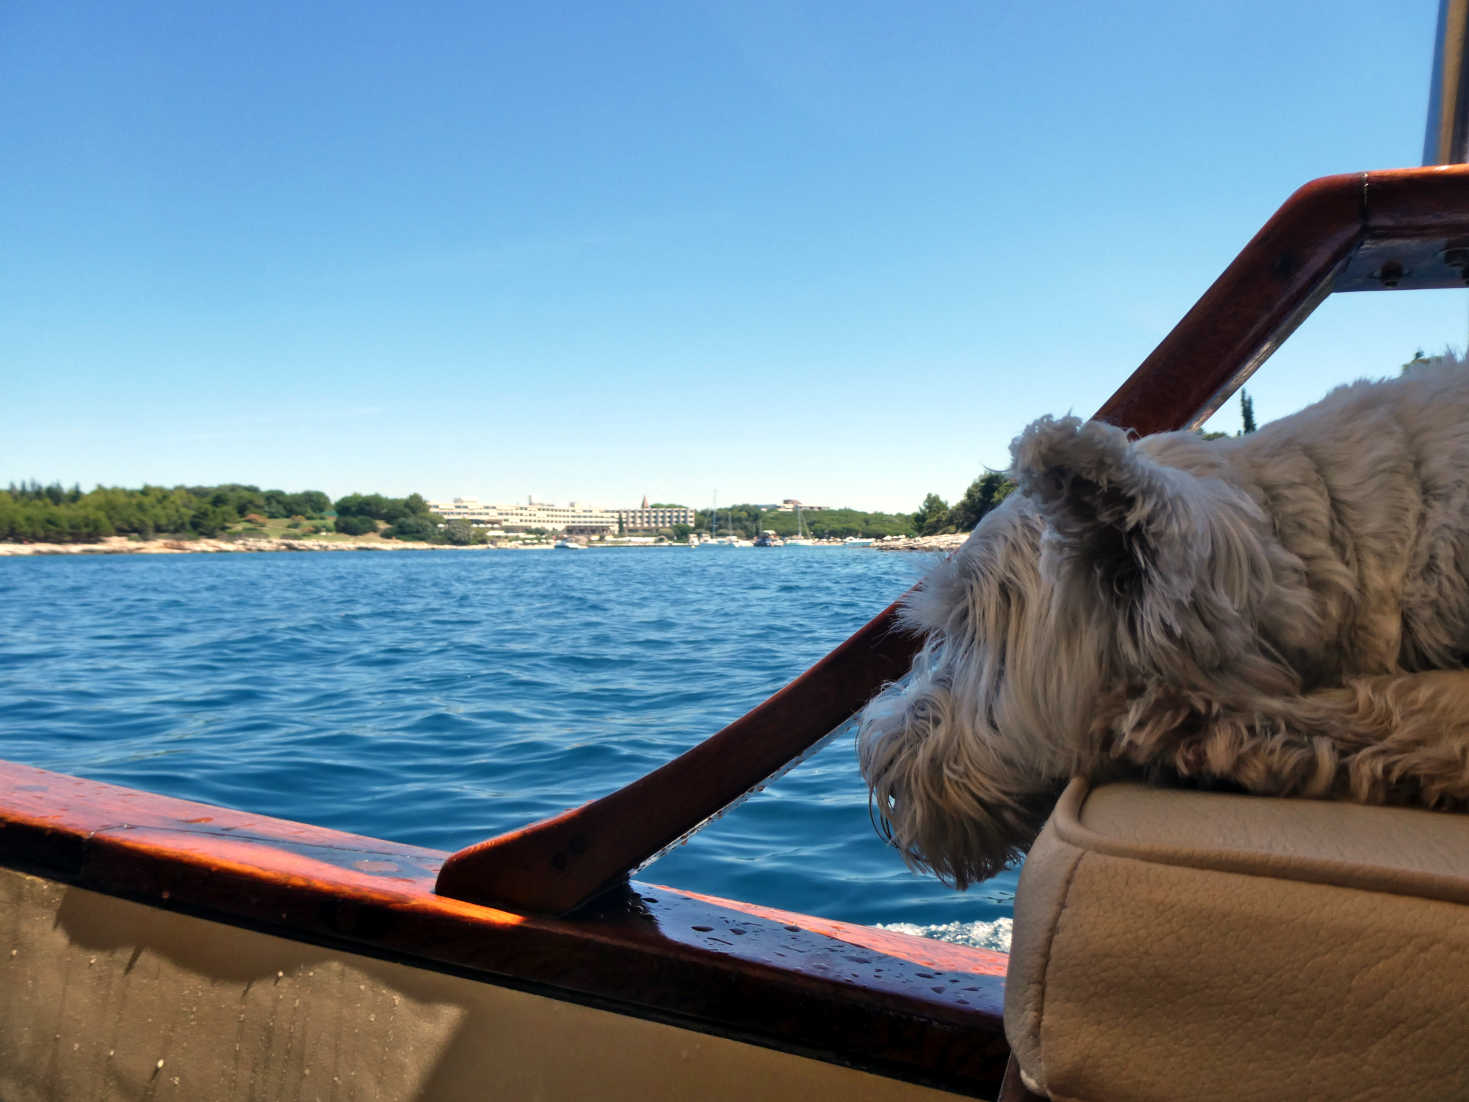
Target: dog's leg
(1398, 739)
(1405, 737)
(1271, 746)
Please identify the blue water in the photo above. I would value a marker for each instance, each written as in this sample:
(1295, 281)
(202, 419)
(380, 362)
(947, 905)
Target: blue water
(439, 698)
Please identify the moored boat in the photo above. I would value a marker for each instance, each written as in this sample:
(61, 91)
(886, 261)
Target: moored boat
(800, 539)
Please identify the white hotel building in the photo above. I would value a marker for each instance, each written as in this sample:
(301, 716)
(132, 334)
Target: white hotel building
(646, 519)
(573, 519)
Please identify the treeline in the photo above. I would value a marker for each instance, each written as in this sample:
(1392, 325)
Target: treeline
(748, 521)
(406, 518)
(936, 516)
(33, 513)
(838, 523)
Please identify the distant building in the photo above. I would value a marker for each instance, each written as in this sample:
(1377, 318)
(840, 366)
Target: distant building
(647, 519)
(467, 508)
(790, 505)
(572, 519)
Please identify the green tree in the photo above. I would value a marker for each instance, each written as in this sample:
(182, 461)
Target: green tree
(210, 520)
(414, 526)
(1246, 412)
(932, 516)
(354, 525)
(461, 533)
(984, 493)
(312, 503)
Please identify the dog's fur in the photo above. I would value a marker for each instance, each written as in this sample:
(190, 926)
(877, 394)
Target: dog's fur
(1285, 612)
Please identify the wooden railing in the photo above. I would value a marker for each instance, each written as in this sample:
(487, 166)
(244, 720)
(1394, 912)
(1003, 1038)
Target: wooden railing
(1398, 229)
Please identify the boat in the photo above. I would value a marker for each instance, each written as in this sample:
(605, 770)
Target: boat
(149, 935)
(857, 541)
(166, 947)
(800, 539)
(713, 539)
(768, 538)
(158, 945)
(569, 545)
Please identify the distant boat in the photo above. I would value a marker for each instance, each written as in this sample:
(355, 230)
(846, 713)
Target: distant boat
(800, 539)
(857, 541)
(569, 545)
(769, 539)
(711, 540)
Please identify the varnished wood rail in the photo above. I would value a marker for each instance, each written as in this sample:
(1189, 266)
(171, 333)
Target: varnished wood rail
(1406, 228)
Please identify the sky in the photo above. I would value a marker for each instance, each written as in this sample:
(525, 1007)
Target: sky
(840, 251)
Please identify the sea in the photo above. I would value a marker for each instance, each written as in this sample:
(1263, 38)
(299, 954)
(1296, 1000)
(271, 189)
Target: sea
(442, 697)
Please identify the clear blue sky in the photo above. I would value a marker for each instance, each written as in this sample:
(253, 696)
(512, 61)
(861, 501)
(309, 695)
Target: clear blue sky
(836, 251)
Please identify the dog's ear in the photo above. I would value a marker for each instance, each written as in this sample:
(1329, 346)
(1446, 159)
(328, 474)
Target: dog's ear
(1180, 554)
(1106, 502)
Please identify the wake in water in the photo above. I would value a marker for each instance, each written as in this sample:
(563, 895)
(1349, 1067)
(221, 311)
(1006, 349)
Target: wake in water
(978, 935)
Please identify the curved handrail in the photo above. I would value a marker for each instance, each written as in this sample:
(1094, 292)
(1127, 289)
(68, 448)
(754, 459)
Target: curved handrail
(1348, 232)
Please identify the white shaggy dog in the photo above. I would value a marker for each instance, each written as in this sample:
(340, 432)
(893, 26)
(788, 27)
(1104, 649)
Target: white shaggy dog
(1261, 612)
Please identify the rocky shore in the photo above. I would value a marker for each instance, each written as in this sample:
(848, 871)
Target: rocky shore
(122, 545)
(948, 542)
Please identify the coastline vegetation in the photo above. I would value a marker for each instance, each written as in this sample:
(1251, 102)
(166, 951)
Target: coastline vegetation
(34, 513)
(936, 516)
(748, 521)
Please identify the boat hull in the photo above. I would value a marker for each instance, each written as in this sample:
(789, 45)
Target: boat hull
(256, 957)
(105, 997)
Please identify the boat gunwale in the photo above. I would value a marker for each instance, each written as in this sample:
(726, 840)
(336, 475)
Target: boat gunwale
(906, 1007)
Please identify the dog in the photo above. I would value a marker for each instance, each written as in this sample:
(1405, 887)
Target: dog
(1282, 613)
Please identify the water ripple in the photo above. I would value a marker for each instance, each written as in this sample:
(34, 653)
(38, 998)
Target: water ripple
(440, 698)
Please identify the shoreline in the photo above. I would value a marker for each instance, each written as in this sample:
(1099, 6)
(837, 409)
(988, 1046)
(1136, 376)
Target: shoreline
(123, 545)
(950, 541)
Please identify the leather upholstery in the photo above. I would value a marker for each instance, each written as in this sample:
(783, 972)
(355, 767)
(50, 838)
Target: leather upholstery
(1176, 944)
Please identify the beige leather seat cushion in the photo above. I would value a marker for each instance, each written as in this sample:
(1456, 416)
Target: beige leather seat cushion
(1189, 945)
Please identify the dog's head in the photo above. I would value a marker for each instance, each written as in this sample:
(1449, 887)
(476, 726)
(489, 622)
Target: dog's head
(1110, 570)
